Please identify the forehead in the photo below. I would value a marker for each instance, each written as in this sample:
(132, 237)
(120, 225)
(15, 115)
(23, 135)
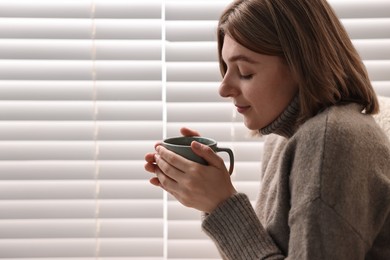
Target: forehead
(231, 47)
(232, 51)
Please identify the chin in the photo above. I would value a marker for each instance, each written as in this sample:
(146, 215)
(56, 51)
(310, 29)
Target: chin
(252, 126)
(255, 125)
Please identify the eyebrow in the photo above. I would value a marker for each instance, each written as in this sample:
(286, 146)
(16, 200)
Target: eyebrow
(242, 58)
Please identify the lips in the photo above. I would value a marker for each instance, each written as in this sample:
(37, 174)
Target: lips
(242, 109)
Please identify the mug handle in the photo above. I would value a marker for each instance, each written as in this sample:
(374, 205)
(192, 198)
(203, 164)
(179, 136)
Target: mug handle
(231, 157)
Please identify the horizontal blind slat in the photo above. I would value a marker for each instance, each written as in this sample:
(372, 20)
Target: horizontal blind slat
(191, 51)
(73, 170)
(46, 49)
(382, 87)
(49, 248)
(74, 90)
(193, 71)
(187, 91)
(81, 209)
(80, 110)
(176, 227)
(190, 31)
(76, 130)
(194, 10)
(115, 9)
(25, 28)
(373, 49)
(200, 112)
(367, 28)
(79, 70)
(378, 70)
(80, 228)
(81, 190)
(184, 248)
(74, 150)
(361, 8)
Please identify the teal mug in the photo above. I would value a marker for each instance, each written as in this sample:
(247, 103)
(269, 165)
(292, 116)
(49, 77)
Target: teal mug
(182, 146)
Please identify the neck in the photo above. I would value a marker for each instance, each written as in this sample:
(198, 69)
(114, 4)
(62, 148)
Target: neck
(286, 124)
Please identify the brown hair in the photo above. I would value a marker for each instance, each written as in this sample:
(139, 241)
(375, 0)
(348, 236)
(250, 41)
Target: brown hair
(312, 40)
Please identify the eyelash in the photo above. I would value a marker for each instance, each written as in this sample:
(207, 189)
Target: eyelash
(246, 77)
(242, 77)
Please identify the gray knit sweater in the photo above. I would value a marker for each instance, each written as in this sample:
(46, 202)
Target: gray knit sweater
(325, 194)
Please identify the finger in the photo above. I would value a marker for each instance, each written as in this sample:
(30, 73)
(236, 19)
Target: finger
(155, 181)
(149, 157)
(208, 154)
(189, 132)
(170, 163)
(157, 144)
(165, 181)
(150, 167)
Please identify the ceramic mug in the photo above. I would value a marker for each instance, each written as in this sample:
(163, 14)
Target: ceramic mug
(181, 145)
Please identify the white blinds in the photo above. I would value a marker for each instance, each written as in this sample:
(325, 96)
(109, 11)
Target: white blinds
(80, 90)
(87, 87)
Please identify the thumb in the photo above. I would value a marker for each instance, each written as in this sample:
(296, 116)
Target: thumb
(188, 132)
(208, 154)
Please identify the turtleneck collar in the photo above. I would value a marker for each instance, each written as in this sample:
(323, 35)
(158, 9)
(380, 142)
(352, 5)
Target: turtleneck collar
(286, 124)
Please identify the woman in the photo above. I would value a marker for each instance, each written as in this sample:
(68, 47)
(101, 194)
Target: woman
(293, 73)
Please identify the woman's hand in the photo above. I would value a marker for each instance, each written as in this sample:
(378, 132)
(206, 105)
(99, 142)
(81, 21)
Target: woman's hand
(150, 165)
(194, 185)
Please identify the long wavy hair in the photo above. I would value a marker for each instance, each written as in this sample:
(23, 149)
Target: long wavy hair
(314, 44)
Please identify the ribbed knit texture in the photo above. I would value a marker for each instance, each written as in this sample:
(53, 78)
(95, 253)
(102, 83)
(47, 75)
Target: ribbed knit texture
(286, 124)
(325, 193)
(237, 218)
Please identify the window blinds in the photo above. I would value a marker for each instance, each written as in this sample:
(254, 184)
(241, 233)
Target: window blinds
(88, 86)
(80, 90)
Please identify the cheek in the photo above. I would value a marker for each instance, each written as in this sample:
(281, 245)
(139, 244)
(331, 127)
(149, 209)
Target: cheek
(269, 101)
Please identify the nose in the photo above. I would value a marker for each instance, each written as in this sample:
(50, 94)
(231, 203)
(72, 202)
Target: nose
(226, 89)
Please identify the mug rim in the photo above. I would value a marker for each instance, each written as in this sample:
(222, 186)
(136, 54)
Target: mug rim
(195, 138)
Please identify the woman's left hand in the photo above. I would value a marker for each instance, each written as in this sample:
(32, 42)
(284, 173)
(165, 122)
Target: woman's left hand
(202, 187)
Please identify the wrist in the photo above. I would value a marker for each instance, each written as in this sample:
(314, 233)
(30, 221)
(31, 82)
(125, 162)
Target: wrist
(222, 200)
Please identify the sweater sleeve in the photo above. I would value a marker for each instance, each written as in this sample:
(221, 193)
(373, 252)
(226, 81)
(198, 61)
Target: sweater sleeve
(238, 233)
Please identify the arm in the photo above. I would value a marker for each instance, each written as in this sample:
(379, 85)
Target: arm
(238, 233)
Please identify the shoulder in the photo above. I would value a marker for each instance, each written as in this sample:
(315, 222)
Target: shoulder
(344, 126)
(343, 141)
(349, 121)
(339, 153)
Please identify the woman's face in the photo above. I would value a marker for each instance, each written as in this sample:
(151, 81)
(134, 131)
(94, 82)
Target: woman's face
(260, 86)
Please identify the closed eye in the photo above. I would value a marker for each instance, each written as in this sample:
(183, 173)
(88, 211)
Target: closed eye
(246, 77)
